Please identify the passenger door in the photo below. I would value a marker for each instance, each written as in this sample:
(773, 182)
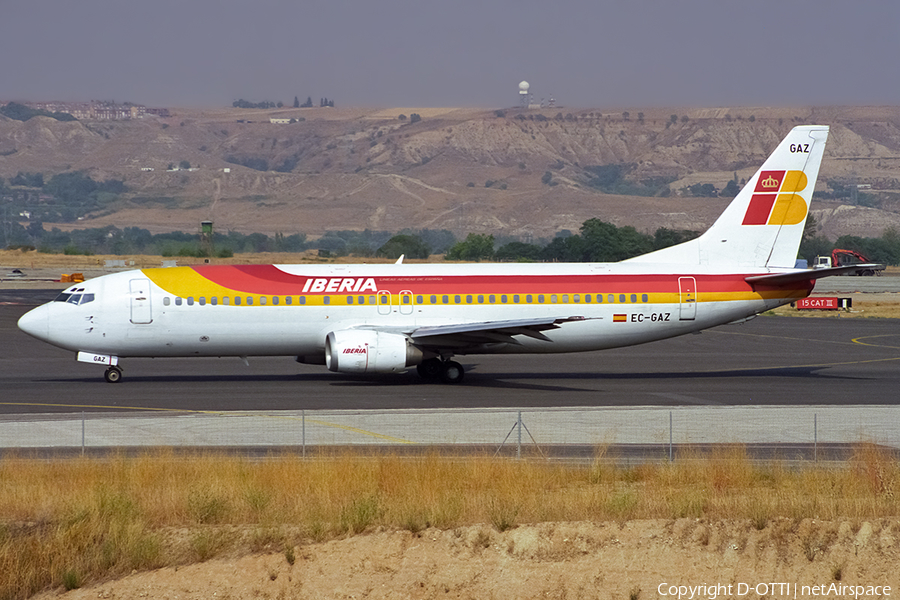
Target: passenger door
(141, 313)
(687, 292)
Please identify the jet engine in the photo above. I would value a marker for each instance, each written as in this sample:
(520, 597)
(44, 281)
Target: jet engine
(366, 351)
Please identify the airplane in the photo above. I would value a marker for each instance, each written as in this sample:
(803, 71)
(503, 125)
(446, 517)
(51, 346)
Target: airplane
(390, 318)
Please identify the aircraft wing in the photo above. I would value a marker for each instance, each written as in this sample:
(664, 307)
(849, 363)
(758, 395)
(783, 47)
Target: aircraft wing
(794, 276)
(488, 332)
(462, 335)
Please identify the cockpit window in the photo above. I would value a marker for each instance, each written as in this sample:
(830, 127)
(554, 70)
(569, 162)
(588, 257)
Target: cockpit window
(74, 298)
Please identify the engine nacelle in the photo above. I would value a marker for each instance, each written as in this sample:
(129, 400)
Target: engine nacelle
(367, 351)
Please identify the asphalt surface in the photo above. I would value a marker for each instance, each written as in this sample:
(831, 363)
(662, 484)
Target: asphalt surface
(766, 362)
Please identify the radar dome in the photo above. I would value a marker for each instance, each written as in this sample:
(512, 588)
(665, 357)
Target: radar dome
(523, 87)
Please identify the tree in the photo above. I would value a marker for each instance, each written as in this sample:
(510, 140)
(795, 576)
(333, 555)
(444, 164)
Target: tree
(414, 118)
(296, 102)
(475, 247)
(184, 165)
(411, 246)
(730, 190)
(518, 251)
(546, 178)
(28, 179)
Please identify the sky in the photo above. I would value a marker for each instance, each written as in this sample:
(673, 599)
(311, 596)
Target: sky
(473, 53)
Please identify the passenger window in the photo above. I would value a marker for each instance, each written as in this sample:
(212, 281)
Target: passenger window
(528, 298)
(288, 300)
(553, 298)
(384, 299)
(540, 298)
(516, 298)
(202, 301)
(634, 298)
(178, 301)
(503, 298)
(262, 300)
(237, 300)
(190, 300)
(469, 299)
(622, 298)
(480, 298)
(361, 300)
(166, 301)
(433, 299)
(565, 298)
(327, 300)
(456, 299)
(644, 298)
(301, 300)
(274, 299)
(491, 299)
(612, 298)
(599, 298)
(405, 299)
(418, 299)
(349, 299)
(445, 299)
(214, 300)
(249, 301)
(371, 299)
(225, 300)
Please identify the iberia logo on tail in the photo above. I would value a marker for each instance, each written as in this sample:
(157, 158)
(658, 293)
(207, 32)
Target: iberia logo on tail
(775, 200)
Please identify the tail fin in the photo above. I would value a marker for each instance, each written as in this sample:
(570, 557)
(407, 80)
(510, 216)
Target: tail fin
(763, 225)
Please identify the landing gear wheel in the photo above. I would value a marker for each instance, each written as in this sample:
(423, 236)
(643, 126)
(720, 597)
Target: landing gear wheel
(452, 372)
(430, 369)
(113, 375)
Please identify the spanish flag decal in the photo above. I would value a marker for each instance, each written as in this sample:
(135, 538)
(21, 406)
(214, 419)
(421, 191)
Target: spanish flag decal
(620, 318)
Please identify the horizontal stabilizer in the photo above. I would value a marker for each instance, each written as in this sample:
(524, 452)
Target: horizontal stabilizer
(808, 274)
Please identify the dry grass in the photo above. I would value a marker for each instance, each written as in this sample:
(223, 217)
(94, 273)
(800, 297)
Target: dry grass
(68, 522)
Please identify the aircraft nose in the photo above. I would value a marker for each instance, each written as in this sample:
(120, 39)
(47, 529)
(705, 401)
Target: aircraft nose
(36, 322)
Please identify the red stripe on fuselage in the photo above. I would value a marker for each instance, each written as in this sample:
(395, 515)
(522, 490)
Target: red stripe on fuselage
(269, 280)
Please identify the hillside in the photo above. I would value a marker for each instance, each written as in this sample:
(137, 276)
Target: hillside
(357, 168)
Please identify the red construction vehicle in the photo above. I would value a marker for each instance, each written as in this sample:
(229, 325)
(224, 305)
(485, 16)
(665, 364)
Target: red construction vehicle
(846, 258)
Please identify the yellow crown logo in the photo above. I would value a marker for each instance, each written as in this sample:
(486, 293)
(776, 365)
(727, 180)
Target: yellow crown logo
(770, 182)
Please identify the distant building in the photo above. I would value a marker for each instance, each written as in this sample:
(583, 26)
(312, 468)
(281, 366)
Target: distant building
(96, 110)
(279, 121)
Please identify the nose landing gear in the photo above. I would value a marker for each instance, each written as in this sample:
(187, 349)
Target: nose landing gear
(113, 374)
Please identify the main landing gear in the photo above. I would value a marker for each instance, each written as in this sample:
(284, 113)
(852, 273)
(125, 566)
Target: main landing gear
(113, 375)
(448, 371)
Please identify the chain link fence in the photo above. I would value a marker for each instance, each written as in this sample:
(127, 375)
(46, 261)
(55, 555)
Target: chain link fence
(577, 434)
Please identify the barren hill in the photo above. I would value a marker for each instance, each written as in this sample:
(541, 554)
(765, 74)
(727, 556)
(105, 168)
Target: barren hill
(466, 170)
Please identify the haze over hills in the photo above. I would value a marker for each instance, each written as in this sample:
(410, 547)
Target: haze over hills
(518, 173)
